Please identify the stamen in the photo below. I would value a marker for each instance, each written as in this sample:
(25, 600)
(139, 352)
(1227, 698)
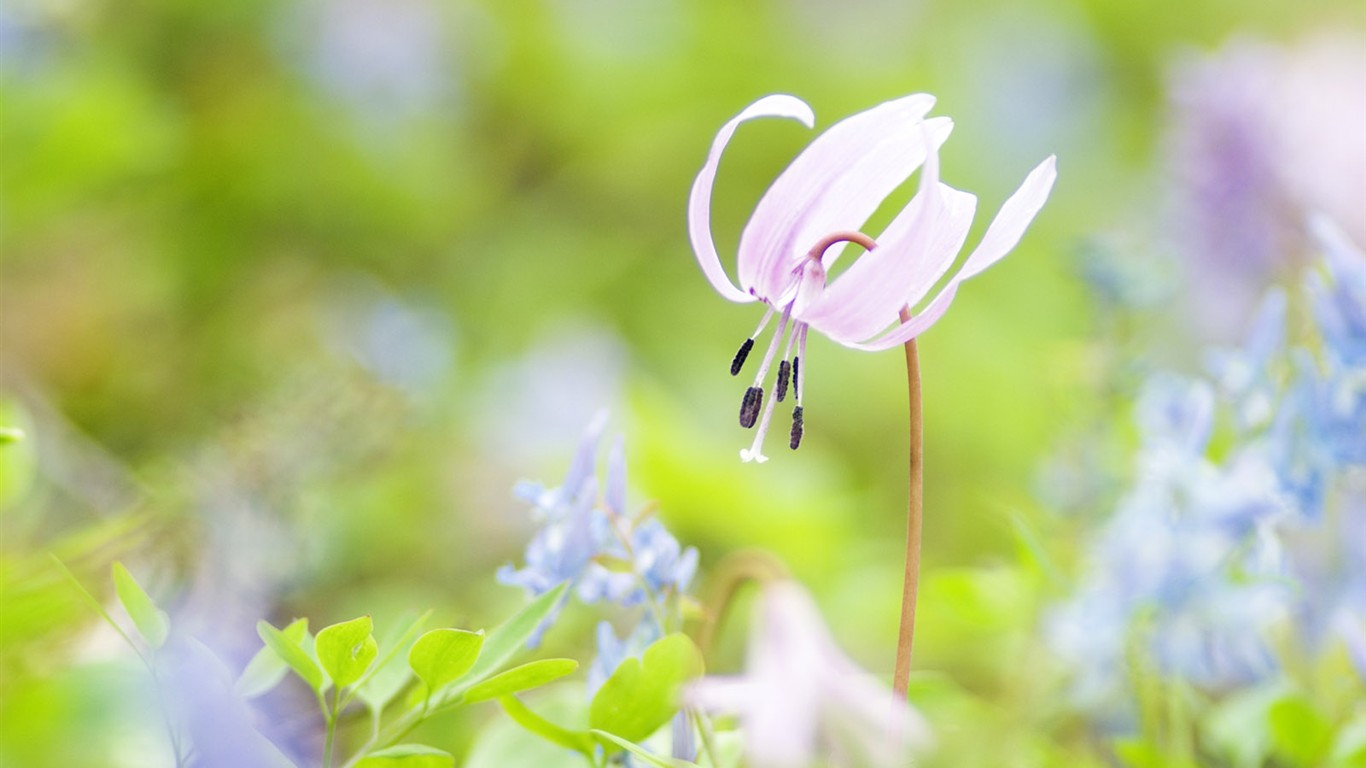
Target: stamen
(785, 368)
(796, 438)
(755, 452)
(796, 367)
(739, 361)
(749, 407)
(796, 377)
(743, 354)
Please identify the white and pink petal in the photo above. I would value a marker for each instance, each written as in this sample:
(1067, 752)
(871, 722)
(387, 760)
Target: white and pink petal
(699, 200)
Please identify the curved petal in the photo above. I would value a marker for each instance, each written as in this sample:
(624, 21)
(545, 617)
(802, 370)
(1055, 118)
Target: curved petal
(913, 327)
(699, 200)
(912, 256)
(864, 300)
(1015, 216)
(834, 184)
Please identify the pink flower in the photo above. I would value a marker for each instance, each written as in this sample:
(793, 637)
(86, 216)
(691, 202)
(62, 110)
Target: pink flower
(801, 700)
(799, 228)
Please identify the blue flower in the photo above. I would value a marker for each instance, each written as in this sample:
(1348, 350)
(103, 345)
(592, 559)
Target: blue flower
(590, 540)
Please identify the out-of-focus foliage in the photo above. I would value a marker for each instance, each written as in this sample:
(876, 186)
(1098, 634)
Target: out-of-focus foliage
(292, 293)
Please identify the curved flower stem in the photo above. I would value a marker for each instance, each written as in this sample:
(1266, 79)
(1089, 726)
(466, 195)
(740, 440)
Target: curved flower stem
(914, 513)
(735, 570)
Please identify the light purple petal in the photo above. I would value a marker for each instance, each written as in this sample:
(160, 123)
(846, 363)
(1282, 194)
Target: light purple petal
(912, 256)
(581, 470)
(615, 493)
(835, 184)
(913, 327)
(1015, 216)
(699, 201)
(717, 693)
(866, 298)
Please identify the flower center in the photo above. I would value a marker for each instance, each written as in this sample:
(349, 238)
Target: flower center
(809, 276)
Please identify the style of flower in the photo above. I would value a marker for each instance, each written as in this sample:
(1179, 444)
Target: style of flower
(801, 700)
(801, 225)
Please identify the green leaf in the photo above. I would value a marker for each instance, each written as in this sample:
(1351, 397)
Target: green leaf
(641, 752)
(442, 655)
(642, 694)
(525, 677)
(293, 654)
(346, 650)
(266, 669)
(1135, 753)
(1299, 732)
(150, 620)
(510, 637)
(407, 756)
(386, 679)
(579, 741)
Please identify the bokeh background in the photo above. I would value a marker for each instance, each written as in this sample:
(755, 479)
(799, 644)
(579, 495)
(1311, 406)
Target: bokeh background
(294, 291)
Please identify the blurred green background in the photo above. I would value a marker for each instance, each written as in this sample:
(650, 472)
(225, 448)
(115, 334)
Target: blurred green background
(293, 292)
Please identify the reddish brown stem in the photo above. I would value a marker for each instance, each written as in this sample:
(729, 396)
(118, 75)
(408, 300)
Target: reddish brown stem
(914, 512)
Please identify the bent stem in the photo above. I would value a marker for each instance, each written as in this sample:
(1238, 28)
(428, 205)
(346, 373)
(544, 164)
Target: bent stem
(914, 512)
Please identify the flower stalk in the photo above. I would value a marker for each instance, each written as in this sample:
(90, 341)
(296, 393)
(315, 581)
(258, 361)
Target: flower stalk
(915, 488)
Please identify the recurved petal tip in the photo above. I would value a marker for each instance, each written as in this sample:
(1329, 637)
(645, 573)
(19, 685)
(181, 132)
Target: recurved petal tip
(699, 200)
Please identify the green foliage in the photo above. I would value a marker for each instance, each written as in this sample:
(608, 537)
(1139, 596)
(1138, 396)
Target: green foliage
(151, 622)
(642, 694)
(530, 675)
(579, 741)
(443, 655)
(346, 650)
(1300, 734)
(266, 669)
(293, 654)
(388, 678)
(408, 756)
(640, 752)
(511, 636)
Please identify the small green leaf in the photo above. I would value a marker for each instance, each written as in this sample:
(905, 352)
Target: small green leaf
(523, 678)
(150, 620)
(642, 694)
(346, 650)
(1299, 732)
(407, 756)
(266, 669)
(510, 637)
(579, 741)
(442, 655)
(293, 654)
(641, 752)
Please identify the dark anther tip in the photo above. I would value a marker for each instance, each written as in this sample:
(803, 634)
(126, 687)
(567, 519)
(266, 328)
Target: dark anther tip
(784, 372)
(796, 438)
(749, 407)
(796, 377)
(740, 357)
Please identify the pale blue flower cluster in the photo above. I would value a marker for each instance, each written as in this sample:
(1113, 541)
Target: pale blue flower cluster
(590, 540)
(1247, 509)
